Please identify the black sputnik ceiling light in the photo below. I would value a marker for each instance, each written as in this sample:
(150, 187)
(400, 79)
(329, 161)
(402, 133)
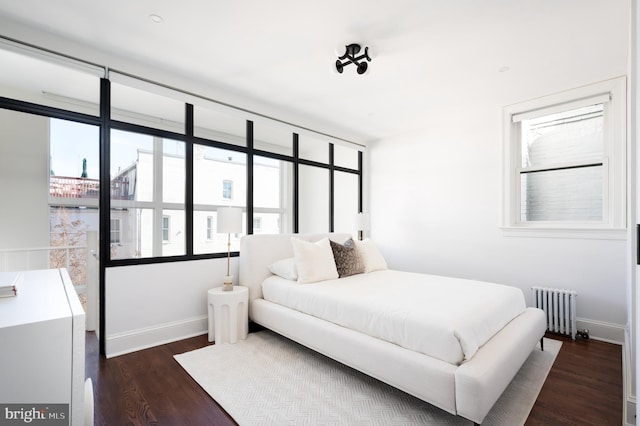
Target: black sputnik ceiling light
(349, 57)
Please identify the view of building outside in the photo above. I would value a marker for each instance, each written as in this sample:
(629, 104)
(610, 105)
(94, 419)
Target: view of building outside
(563, 166)
(272, 196)
(148, 193)
(69, 232)
(219, 180)
(74, 188)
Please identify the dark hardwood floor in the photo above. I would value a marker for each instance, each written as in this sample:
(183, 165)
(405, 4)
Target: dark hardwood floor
(584, 386)
(148, 387)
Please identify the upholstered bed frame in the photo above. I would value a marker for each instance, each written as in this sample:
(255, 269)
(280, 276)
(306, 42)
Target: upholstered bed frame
(468, 390)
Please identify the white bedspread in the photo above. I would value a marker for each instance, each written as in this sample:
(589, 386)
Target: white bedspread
(447, 318)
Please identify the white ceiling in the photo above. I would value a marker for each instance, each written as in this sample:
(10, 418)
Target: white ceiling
(276, 57)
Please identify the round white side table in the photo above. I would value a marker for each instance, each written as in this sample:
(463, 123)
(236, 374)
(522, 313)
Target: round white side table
(228, 314)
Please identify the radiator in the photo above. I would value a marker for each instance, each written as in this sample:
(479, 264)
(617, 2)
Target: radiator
(559, 307)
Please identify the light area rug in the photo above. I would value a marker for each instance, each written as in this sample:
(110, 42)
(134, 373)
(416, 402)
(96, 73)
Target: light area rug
(270, 380)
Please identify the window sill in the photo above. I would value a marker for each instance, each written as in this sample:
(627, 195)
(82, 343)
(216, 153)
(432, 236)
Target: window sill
(578, 233)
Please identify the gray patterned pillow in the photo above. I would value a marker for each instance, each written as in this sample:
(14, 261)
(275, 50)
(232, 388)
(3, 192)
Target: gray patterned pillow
(347, 260)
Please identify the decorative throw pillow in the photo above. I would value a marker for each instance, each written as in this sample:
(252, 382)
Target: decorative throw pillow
(347, 258)
(285, 268)
(371, 256)
(314, 261)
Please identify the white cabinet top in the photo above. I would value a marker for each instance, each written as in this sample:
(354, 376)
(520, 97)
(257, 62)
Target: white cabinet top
(42, 296)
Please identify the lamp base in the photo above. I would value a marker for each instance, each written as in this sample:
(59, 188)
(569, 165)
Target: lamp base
(228, 283)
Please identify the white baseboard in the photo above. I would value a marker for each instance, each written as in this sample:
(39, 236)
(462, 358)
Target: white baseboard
(629, 412)
(135, 340)
(619, 335)
(603, 331)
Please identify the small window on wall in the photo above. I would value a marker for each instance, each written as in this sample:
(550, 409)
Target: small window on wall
(227, 189)
(566, 161)
(562, 166)
(166, 222)
(114, 231)
(209, 227)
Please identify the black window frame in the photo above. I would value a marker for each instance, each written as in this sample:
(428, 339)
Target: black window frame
(105, 124)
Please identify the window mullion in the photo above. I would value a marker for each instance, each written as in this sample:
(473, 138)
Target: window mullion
(157, 196)
(515, 206)
(560, 166)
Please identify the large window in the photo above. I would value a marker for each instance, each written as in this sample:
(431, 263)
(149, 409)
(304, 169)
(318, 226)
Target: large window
(272, 196)
(74, 188)
(148, 195)
(159, 163)
(566, 161)
(166, 161)
(219, 180)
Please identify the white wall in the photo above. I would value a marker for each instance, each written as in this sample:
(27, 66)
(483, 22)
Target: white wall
(435, 196)
(24, 183)
(313, 199)
(147, 305)
(435, 203)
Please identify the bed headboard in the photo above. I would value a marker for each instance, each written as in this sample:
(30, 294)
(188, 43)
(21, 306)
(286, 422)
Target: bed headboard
(257, 252)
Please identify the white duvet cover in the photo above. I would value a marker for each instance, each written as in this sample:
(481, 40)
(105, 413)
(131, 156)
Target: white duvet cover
(446, 318)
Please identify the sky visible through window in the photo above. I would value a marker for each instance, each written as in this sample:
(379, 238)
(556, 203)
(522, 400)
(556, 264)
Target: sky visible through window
(70, 143)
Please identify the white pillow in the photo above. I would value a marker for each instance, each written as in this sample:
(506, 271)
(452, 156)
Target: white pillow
(314, 261)
(371, 256)
(285, 268)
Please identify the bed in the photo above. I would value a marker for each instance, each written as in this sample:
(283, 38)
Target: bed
(375, 322)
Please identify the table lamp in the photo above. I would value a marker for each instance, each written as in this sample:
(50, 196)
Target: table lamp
(362, 223)
(229, 221)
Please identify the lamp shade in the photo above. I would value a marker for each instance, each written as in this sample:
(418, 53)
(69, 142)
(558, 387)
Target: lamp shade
(229, 220)
(362, 222)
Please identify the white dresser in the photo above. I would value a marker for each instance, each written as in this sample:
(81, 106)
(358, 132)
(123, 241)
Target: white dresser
(42, 340)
